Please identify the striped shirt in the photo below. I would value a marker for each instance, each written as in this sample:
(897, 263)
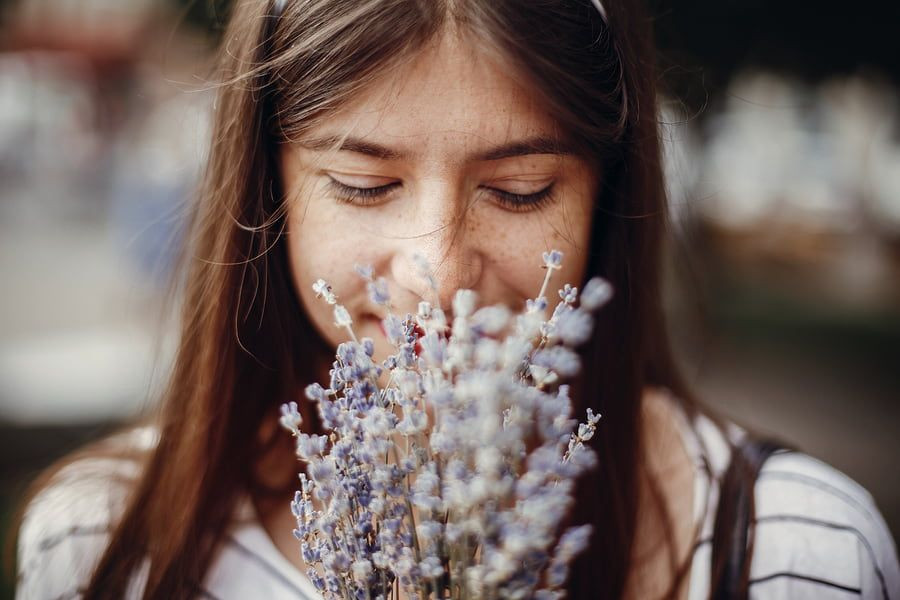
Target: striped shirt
(819, 534)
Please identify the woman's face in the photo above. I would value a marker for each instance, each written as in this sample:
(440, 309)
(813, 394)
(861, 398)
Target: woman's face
(448, 157)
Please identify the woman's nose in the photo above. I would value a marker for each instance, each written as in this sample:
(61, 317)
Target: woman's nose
(446, 247)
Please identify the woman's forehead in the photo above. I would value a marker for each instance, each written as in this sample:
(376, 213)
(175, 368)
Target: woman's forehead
(453, 97)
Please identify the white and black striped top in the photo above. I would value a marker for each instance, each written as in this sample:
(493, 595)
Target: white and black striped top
(819, 534)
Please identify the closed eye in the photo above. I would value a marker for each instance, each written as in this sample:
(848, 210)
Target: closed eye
(353, 195)
(365, 196)
(523, 202)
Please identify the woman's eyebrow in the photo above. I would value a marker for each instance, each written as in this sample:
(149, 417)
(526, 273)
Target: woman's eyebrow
(533, 145)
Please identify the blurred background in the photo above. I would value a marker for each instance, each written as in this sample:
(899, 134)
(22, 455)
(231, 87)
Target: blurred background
(782, 144)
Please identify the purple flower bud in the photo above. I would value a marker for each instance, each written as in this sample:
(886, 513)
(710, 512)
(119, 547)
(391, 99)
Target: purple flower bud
(597, 292)
(536, 305)
(317, 579)
(574, 327)
(431, 567)
(491, 320)
(362, 571)
(568, 294)
(364, 271)
(425, 270)
(322, 470)
(346, 352)
(336, 383)
(378, 292)
(414, 421)
(574, 541)
(407, 356)
(394, 329)
(342, 316)
(429, 530)
(309, 446)
(552, 259)
(464, 303)
(310, 555)
(315, 392)
(560, 359)
(290, 417)
(433, 348)
(321, 288)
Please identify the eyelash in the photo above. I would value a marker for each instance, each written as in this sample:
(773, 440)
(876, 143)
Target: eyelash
(515, 202)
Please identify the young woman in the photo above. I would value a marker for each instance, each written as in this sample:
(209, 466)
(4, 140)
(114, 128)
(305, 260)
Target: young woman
(478, 133)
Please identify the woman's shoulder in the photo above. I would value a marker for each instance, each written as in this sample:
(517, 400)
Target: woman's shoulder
(819, 532)
(66, 525)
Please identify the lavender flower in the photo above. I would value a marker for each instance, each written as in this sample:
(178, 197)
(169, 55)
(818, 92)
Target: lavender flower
(364, 271)
(573, 327)
(378, 292)
(322, 289)
(596, 293)
(290, 417)
(571, 544)
(553, 259)
(469, 446)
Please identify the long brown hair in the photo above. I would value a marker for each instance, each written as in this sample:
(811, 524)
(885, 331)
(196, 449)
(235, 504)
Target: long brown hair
(246, 345)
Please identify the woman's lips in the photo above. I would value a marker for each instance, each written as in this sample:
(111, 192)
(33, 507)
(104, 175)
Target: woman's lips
(416, 328)
(419, 333)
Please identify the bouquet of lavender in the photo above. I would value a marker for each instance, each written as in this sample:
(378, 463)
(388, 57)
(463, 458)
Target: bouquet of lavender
(452, 479)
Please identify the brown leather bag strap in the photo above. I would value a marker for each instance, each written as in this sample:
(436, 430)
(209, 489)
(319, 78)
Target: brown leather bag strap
(732, 541)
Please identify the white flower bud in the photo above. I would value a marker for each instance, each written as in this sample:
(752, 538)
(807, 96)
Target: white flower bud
(321, 288)
(464, 303)
(342, 317)
(596, 293)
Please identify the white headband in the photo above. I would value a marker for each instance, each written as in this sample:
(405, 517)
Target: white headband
(279, 8)
(600, 9)
(598, 5)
